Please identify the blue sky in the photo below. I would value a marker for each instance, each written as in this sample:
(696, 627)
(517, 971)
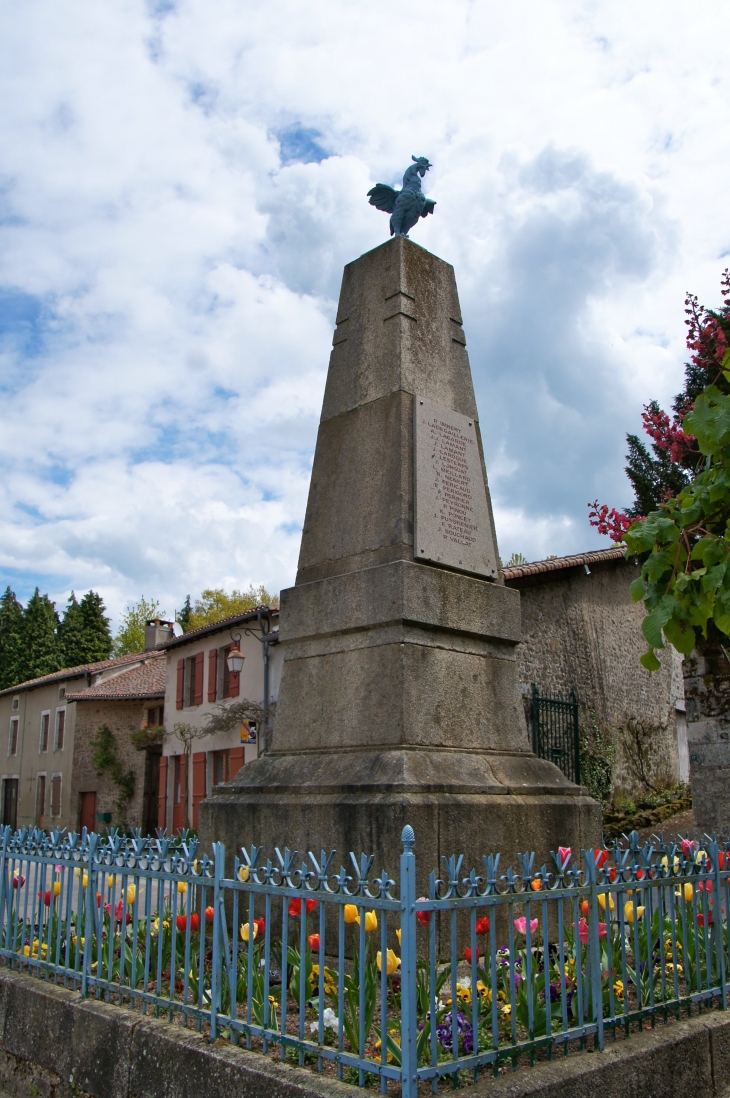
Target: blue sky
(181, 185)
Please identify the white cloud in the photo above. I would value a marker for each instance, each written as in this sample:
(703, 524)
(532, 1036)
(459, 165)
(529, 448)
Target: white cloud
(169, 269)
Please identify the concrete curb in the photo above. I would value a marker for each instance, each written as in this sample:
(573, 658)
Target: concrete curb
(55, 1044)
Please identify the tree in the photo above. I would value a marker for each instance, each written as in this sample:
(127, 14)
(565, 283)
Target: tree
(71, 633)
(685, 577)
(676, 457)
(184, 616)
(97, 634)
(130, 637)
(42, 652)
(214, 604)
(11, 639)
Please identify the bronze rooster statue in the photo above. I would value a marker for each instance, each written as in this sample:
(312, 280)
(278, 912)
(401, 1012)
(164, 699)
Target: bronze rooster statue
(406, 206)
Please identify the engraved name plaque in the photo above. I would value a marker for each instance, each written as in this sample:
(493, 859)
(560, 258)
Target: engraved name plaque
(452, 520)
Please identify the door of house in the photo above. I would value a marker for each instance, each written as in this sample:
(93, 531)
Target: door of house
(151, 791)
(88, 811)
(180, 792)
(10, 803)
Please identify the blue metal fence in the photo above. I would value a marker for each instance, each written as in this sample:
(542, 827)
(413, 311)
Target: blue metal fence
(338, 969)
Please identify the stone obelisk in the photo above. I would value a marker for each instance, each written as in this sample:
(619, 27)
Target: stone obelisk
(400, 699)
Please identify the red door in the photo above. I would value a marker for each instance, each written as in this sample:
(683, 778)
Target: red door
(179, 792)
(88, 811)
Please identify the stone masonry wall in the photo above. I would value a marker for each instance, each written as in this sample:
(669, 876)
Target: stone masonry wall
(584, 631)
(122, 718)
(707, 685)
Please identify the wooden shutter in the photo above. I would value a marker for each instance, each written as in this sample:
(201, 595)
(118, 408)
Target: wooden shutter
(212, 674)
(199, 673)
(162, 794)
(198, 782)
(235, 760)
(234, 683)
(180, 698)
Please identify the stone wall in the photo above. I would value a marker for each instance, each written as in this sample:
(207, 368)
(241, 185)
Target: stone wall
(707, 685)
(583, 631)
(56, 1045)
(122, 718)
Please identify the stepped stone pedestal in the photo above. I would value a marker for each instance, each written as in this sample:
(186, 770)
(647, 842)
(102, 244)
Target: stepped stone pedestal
(400, 700)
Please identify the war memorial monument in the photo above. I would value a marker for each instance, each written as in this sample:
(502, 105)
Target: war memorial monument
(399, 699)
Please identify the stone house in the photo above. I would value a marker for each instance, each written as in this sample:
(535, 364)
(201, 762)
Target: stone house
(198, 683)
(582, 631)
(124, 793)
(38, 734)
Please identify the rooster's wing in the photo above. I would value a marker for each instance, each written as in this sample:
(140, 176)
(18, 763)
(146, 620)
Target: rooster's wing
(383, 197)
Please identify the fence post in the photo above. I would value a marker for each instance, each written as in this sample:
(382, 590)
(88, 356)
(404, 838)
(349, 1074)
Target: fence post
(409, 1020)
(593, 946)
(219, 856)
(535, 717)
(90, 915)
(576, 737)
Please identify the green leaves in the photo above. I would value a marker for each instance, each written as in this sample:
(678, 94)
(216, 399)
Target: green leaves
(685, 576)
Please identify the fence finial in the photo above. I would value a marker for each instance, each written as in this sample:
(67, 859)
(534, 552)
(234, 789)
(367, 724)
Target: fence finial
(408, 837)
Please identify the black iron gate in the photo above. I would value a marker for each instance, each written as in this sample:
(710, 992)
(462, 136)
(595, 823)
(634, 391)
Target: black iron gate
(555, 733)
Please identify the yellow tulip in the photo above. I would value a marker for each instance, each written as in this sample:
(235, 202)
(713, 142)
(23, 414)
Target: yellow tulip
(371, 921)
(195, 866)
(602, 901)
(629, 912)
(131, 895)
(77, 871)
(245, 932)
(700, 856)
(397, 934)
(688, 890)
(84, 880)
(243, 873)
(182, 887)
(665, 863)
(110, 880)
(391, 961)
(352, 914)
(56, 888)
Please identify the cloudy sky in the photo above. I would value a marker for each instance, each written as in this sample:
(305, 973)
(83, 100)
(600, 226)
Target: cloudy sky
(181, 184)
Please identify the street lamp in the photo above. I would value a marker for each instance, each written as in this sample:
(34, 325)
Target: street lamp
(235, 659)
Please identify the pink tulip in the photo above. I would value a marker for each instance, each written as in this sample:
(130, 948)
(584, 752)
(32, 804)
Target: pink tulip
(521, 925)
(687, 848)
(583, 930)
(564, 855)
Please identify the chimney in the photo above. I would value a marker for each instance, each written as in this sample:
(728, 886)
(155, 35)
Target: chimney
(157, 632)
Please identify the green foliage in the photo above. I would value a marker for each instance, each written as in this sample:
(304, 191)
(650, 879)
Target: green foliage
(105, 758)
(597, 758)
(685, 578)
(148, 737)
(11, 639)
(215, 604)
(130, 637)
(515, 559)
(42, 652)
(653, 478)
(183, 615)
(97, 637)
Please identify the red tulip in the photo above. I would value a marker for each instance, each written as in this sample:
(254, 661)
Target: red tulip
(195, 922)
(467, 954)
(182, 922)
(701, 919)
(261, 924)
(313, 940)
(705, 886)
(295, 907)
(209, 914)
(98, 899)
(483, 925)
(584, 907)
(601, 857)
(612, 874)
(18, 882)
(46, 896)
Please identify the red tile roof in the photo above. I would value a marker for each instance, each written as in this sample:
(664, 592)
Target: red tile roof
(145, 681)
(518, 571)
(74, 672)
